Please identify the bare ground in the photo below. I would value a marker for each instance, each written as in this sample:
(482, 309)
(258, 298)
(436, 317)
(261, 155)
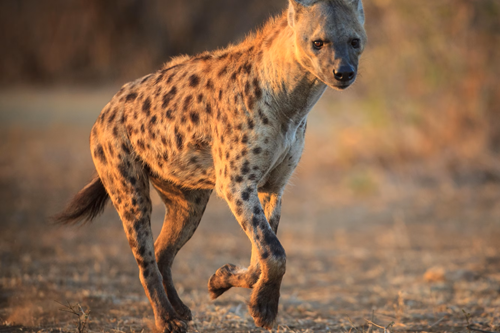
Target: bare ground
(398, 254)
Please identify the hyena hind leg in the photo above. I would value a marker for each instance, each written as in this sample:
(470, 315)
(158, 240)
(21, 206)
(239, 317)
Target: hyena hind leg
(127, 183)
(184, 209)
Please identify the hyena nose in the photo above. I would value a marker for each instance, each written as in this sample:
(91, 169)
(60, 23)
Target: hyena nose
(344, 73)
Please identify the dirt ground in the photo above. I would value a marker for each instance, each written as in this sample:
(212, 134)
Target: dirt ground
(406, 255)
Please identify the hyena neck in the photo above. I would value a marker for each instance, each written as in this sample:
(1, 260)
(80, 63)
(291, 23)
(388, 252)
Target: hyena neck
(294, 89)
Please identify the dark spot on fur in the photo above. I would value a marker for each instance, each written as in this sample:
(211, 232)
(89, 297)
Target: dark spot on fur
(250, 123)
(264, 119)
(203, 57)
(247, 68)
(112, 116)
(200, 98)
(245, 195)
(178, 139)
(220, 94)
(168, 114)
(142, 250)
(244, 139)
(255, 221)
(123, 170)
(99, 153)
(146, 107)
(257, 150)
(256, 89)
(222, 71)
(187, 101)
(210, 85)
(239, 211)
(195, 118)
(125, 149)
(160, 77)
(245, 168)
(131, 97)
(194, 80)
(238, 179)
(250, 102)
(223, 56)
(208, 109)
(153, 120)
(169, 96)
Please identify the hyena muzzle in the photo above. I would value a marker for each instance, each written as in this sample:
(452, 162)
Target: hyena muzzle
(232, 120)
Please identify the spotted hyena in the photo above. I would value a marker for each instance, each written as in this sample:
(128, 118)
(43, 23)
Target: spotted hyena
(232, 120)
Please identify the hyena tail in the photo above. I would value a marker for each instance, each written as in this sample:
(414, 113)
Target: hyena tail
(86, 205)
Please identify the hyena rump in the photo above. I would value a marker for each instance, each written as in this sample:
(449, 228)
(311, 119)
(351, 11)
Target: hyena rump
(232, 120)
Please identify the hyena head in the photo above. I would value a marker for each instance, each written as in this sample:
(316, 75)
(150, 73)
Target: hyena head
(329, 38)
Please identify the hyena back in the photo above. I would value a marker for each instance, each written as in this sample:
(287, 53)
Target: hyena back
(232, 120)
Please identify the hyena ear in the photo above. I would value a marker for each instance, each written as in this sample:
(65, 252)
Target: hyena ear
(358, 5)
(295, 6)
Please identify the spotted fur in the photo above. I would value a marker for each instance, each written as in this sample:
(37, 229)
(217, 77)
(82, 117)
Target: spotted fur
(232, 120)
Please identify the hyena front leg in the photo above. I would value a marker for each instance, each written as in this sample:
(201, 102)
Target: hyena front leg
(127, 184)
(243, 199)
(184, 209)
(230, 275)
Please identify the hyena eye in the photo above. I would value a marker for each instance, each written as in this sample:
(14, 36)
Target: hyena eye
(355, 43)
(318, 44)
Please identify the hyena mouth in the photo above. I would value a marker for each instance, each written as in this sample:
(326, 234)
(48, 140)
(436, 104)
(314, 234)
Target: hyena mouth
(343, 85)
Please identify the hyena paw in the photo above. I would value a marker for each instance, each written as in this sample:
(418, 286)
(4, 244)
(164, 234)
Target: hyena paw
(183, 312)
(173, 326)
(264, 304)
(219, 282)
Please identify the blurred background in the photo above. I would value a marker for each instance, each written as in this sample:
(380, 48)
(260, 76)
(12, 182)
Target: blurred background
(428, 91)
(401, 171)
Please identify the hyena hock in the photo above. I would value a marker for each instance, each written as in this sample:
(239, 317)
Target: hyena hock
(232, 120)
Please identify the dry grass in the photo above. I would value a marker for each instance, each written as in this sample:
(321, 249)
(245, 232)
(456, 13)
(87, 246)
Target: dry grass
(368, 250)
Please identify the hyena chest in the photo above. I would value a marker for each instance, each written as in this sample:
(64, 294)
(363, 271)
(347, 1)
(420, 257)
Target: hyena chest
(288, 146)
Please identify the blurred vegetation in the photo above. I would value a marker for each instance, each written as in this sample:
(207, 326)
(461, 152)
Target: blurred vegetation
(428, 90)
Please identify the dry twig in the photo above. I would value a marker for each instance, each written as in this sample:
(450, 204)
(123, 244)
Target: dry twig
(83, 316)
